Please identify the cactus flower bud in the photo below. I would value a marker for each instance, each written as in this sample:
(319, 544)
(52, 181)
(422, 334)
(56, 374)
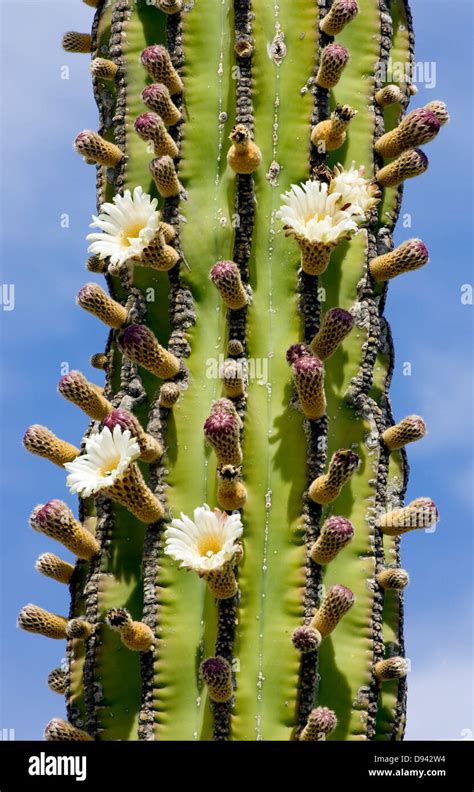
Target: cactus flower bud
(335, 534)
(169, 395)
(79, 629)
(156, 61)
(225, 276)
(336, 325)
(408, 430)
(169, 6)
(308, 372)
(321, 721)
(235, 348)
(41, 441)
(333, 60)
(77, 42)
(165, 177)
(420, 513)
(418, 127)
(84, 394)
(99, 360)
(408, 256)
(150, 448)
(56, 520)
(440, 110)
(150, 126)
(327, 487)
(331, 134)
(231, 493)
(54, 567)
(95, 300)
(306, 639)
(408, 165)
(157, 98)
(339, 15)
(41, 622)
(388, 95)
(217, 674)
(57, 681)
(393, 578)
(244, 156)
(392, 668)
(336, 603)
(222, 432)
(103, 69)
(135, 635)
(141, 346)
(59, 730)
(231, 373)
(95, 148)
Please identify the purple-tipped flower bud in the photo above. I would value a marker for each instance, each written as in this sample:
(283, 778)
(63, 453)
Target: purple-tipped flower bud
(157, 98)
(157, 63)
(296, 351)
(222, 432)
(418, 127)
(408, 165)
(321, 721)
(306, 639)
(408, 256)
(440, 110)
(337, 324)
(95, 148)
(336, 603)
(327, 487)
(141, 346)
(56, 520)
(420, 513)
(217, 674)
(165, 177)
(150, 126)
(225, 276)
(150, 448)
(339, 15)
(308, 372)
(87, 396)
(335, 534)
(95, 300)
(334, 58)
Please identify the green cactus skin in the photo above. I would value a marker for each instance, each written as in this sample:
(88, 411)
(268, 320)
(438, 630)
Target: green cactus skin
(114, 693)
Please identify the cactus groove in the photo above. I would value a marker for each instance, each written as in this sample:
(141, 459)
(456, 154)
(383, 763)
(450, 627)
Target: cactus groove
(258, 64)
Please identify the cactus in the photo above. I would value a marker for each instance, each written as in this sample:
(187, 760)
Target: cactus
(211, 145)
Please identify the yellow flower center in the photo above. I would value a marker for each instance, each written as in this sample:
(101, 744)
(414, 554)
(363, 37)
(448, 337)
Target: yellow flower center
(109, 467)
(131, 232)
(209, 545)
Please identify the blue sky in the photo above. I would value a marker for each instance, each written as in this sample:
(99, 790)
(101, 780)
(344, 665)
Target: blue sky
(432, 330)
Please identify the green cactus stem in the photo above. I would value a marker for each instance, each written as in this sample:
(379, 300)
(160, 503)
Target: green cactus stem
(242, 372)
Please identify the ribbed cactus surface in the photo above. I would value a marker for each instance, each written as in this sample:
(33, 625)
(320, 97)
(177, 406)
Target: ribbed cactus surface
(217, 109)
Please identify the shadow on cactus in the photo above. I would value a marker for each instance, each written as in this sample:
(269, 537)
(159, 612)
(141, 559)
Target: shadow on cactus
(283, 492)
